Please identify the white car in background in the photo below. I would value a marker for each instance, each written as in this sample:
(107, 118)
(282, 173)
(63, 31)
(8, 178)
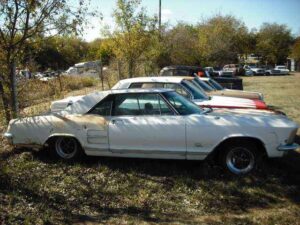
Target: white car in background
(156, 123)
(283, 69)
(256, 70)
(190, 89)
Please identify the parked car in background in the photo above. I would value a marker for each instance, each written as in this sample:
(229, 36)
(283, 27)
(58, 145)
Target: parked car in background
(233, 70)
(257, 70)
(272, 71)
(230, 70)
(156, 123)
(213, 72)
(227, 82)
(188, 87)
(283, 69)
(248, 72)
(218, 90)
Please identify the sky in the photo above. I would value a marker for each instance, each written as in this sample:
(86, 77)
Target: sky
(252, 12)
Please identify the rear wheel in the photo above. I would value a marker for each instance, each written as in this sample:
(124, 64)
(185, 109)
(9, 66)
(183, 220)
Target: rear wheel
(240, 158)
(67, 148)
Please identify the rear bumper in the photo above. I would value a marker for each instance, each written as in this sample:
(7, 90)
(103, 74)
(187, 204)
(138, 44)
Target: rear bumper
(286, 148)
(9, 138)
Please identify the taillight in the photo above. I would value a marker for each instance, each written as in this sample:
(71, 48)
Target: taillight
(260, 104)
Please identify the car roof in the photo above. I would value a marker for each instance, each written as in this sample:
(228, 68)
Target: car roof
(173, 79)
(84, 103)
(139, 90)
(182, 67)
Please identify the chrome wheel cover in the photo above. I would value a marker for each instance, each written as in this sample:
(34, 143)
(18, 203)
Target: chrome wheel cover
(240, 160)
(66, 147)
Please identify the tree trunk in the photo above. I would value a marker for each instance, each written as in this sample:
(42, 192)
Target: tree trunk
(130, 68)
(5, 103)
(119, 70)
(13, 89)
(101, 76)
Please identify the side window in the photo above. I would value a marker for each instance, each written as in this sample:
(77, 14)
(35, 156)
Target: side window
(148, 85)
(136, 85)
(126, 105)
(140, 104)
(167, 73)
(103, 108)
(149, 104)
(164, 108)
(180, 90)
(181, 72)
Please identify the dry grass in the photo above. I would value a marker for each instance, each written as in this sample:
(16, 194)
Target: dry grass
(283, 92)
(36, 189)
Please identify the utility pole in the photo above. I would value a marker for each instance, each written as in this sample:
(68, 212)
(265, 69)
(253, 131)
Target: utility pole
(159, 16)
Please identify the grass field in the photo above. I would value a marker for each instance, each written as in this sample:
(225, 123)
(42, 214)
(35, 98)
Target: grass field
(34, 189)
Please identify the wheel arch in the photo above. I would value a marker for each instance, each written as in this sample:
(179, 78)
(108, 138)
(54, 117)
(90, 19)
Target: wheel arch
(258, 143)
(52, 137)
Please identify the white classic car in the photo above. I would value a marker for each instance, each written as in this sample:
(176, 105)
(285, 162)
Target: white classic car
(156, 123)
(283, 69)
(256, 70)
(190, 88)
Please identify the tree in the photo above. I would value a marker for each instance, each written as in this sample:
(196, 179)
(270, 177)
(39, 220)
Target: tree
(132, 35)
(296, 49)
(221, 39)
(182, 43)
(273, 43)
(24, 20)
(59, 52)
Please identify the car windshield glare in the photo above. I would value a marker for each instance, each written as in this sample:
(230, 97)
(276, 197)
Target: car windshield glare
(215, 84)
(196, 91)
(182, 105)
(203, 85)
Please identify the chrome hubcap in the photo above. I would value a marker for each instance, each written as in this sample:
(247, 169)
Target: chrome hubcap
(240, 160)
(66, 147)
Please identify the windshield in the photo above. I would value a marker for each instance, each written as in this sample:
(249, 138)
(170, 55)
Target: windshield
(196, 91)
(203, 85)
(181, 104)
(215, 84)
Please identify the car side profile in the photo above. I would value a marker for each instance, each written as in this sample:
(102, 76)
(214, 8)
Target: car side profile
(283, 69)
(156, 123)
(190, 88)
(257, 70)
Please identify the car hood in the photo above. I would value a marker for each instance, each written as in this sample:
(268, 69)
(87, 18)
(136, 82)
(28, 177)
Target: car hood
(251, 117)
(245, 112)
(238, 94)
(231, 102)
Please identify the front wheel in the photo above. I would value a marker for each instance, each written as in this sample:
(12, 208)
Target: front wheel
(67, 148)
(240, 158)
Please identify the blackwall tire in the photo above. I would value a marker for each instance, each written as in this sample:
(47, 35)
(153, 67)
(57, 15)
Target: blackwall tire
(67, 148)
(239, 158)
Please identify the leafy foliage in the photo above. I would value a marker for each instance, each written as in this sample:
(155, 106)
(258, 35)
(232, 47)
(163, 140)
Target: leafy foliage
(296, 49)
(273, 43)
(221, 39)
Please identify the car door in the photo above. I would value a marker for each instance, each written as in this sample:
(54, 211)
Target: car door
(143, 125)
(95, 126)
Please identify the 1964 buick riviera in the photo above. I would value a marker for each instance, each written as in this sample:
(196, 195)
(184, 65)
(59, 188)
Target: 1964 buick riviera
(156, 123)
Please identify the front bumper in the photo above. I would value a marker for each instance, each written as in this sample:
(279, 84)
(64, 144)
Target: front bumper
(9, 138)
(286, 148)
